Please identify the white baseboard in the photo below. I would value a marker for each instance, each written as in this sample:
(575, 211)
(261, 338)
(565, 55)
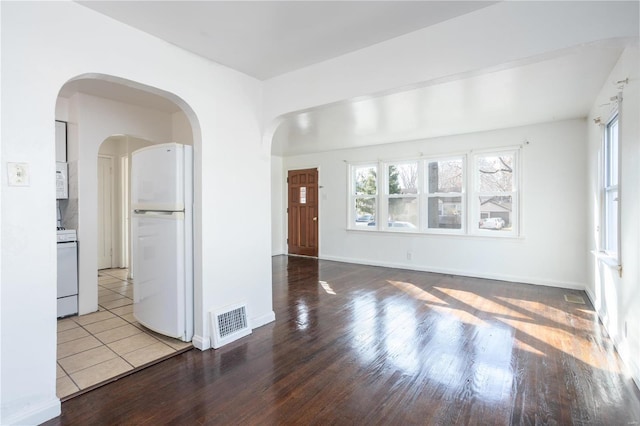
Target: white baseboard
(464, 273)
(635, 372)
(629, 361)
(33, 414)
(263, 319)
(592, 299)
(202, 343)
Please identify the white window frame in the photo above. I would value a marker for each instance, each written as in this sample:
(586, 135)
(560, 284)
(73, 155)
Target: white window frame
(427, 195)
(610, 185)
(475, 194)
(352, 216)
(384, 210)
(470, 208)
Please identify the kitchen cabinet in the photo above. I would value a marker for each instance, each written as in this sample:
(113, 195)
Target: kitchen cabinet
(61, 141)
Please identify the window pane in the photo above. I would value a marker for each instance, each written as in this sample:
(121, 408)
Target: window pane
(444, 176)
(365, 180)
(403, 213)
(365, 211)
(445, 212)
(403, 178)
(611, 221)
(495, 213)
(612, 152)
(303, 195)
(495, 173)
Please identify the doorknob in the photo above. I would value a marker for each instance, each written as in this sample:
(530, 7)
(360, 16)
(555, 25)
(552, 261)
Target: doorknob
(315, 219)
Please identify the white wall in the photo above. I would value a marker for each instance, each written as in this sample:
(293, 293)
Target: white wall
(44, 44)
(278, 206)
(617, 299)
(181, 129)
(551, 249)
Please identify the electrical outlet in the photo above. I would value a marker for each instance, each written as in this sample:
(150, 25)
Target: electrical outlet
(409, 255)
(18, 174)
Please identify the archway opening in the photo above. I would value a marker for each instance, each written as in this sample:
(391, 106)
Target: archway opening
(107, 119)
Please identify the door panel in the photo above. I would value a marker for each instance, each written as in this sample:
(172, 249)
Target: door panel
(303, 212)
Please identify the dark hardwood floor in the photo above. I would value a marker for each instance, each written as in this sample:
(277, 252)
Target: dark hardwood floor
(358, 345)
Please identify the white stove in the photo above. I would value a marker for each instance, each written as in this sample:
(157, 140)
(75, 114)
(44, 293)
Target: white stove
(65, 235)
(67, 272)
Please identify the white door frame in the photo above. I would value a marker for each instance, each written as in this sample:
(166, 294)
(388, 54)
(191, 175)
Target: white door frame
(105, 214)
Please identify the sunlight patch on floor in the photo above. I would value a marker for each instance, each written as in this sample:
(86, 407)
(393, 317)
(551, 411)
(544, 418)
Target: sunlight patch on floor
(417, 293)
(327, 288)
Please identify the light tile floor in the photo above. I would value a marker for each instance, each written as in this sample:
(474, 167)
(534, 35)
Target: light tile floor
(100, 346)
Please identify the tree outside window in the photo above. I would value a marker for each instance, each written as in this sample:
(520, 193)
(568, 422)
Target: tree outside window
(402, 195)
(495, 191)
(365, 191)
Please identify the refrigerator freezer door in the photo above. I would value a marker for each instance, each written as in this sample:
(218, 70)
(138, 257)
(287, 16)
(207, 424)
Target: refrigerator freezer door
(157, 177)
(159, 282)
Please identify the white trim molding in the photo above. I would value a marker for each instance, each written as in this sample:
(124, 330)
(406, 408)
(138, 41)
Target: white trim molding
(202, 343)
(33, 414)
(263, 319)
(465, 273)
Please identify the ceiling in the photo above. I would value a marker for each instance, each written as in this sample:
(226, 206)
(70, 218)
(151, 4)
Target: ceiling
(543, 90)
(268, 38)
(118, 92)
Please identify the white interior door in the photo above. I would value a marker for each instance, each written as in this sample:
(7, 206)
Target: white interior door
(105, 217)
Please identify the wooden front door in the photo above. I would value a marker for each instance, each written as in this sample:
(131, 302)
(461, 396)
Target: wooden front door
(303, 212)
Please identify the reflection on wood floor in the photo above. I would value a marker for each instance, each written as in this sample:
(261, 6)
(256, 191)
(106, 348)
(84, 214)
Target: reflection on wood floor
(367, 345)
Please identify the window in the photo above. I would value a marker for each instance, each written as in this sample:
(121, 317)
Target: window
(610, 188)
(438, 195)
(364, 195)
(402, 196)
(495, 196)
(445, 186)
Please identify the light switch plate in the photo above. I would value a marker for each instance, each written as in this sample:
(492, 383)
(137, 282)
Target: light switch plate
(18, 174)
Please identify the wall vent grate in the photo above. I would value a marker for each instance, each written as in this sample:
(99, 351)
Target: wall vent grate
(572, 298)
(232, 321)
(229, 324)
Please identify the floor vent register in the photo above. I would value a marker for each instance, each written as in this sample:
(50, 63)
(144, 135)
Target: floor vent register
(572, 298)
(229, 324)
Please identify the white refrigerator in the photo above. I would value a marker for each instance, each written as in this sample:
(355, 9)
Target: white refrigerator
(162, 238)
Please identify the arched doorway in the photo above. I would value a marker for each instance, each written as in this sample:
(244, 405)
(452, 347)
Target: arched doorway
(107, 119)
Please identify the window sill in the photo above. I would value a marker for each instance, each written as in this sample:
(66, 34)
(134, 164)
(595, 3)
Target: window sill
(481, 235)
(607, 259)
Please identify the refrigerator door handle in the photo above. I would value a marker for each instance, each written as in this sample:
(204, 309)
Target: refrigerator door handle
(159, 214)
(155, 212)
